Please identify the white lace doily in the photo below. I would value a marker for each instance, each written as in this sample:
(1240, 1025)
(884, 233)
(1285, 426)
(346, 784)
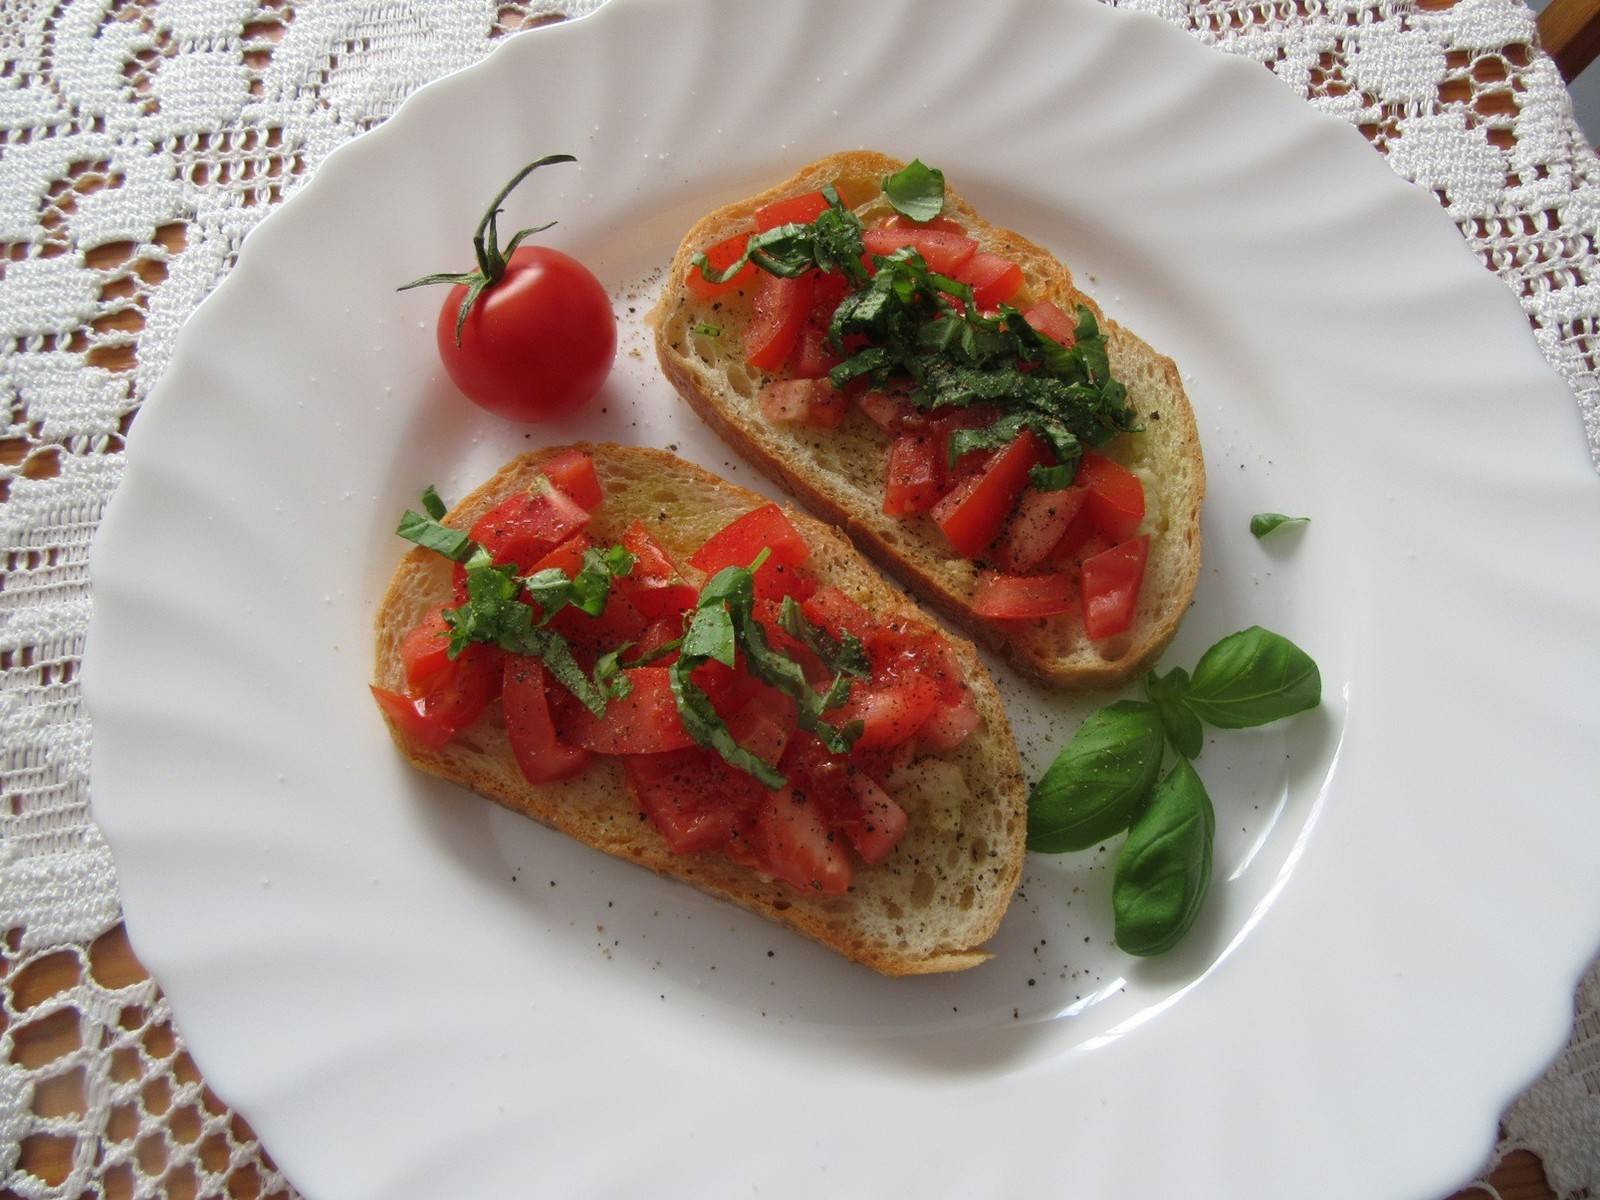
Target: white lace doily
(141, 139)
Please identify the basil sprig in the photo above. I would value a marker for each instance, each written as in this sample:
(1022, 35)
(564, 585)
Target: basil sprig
(916, 190)
(1264, 523)
(1104, 779)
(1099, 782)
(1164, 868)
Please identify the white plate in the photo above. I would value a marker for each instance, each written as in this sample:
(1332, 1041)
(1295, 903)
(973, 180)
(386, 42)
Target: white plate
(408, 991)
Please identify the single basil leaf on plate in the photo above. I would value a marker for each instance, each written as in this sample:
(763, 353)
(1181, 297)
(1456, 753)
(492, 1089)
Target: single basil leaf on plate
(1264, 523)
(426, 532)
(431, 503)
(1164, 868)
(1251, 678)
(917, 190)
(1100, 780)
(1168, 693)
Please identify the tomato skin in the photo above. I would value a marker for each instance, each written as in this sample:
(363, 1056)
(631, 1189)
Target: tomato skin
(1115, 496)
(1039, 522)
(767, 612)
(993, 279)
(1013, 597)
(738, 543)
(890, 710)
(721, 256)
(424, 652)
(541, 756)
(972, 515)
(944, 252)
(525, 527)
(537, 344)
(876, 823)
(573, 472)
(645, 721)
(655, 586)
(1111, 582)
(793, 843)
(837, 613)
(915, 476)
(418, 729)
(781, 308)
(885, 411)
(793, 210)
(619, 621)
(1049, 321)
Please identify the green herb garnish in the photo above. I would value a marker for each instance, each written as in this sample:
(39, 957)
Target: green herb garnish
(431, 504)
(426, 532)
(1100, 780)
(1165, 865)
(916, 190)
(832, 242)
(1264, 523)
(706, 329)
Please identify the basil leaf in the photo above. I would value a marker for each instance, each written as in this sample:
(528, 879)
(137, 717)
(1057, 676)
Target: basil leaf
(783, 673)
(431, 504)
(832, 242)
(1251, 678)
(702, 723)
(426, 532)
(550, 646)
(844, 655)
(492, 613)
(1183, 727)
(660, 651)
(550, 589)
(916, 190)
(1052, 479)
(609, 676)
(1164, 867)
(1264, 523)
(710, 635)
(1100, 780)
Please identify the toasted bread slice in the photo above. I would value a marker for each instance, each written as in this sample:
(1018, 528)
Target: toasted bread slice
(928, 908)
(839, 473)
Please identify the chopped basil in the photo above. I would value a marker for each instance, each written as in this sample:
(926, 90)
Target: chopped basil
(704, 725)
(431, 504)
(917, 190)
(705, 329)
(609, 676)
(711, 635)
(832, 242)
(426, 532)
(844, 655)
(1264, 523)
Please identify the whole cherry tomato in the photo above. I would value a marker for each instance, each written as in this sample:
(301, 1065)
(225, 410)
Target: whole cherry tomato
(529, 333)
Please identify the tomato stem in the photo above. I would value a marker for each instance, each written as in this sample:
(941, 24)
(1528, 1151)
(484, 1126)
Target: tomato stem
(491, 259)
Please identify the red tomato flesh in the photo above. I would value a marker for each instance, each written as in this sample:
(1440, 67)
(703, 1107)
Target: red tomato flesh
(1038, 524)
(721, 257)
(645, 721)
(1111, 582)
(1115, 495)
(419, 729)
(915, 478)
(944, 252)
(972, 515)
(654, 586)
(993, 279)
(690, 796)
(1049, 321)
(834, 611)
(794, 844)
(527, 526)
(424, 652)
(737, 545)
(781, 308)
(795, 210)
(813, 402)
(573, 472)
(875, 823)
(950, 726)
(1008, 597)
(540, 755)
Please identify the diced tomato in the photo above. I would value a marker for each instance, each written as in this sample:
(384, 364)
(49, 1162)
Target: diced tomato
(645, 721)
(767, 613)
(1049, 321)
(890, 710)
(793, 210)
(876, 823)
(940, 224)
(1007, 597)
(834, 611)
(1111, 582)
(764, 725)
(1037, 526)
(993, 279)
(655, 586)
(1078, 534)
(619, 621)
(721, 256)
(573, 472)
(950, 726)
(416, 727)
(1116, 497)
(728, 688)
(527, 526)
(944, 427)
(541, 756)
(667, 629)
(973, 514)
(804, 402)
(884, 410)
(567, 557)
(781, 308)
(915, 477)
(690, 796)
(794, 844)
(812, 358)
(944, 252)
(739, 542)
(424, 651)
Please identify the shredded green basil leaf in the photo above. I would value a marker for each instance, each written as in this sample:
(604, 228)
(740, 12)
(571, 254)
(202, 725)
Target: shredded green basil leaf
(917, 190)
(706, 329)
(702, 723)
(431, 504)
(845, 655)
(426, 532)
(832, 242)
(1264, 523)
